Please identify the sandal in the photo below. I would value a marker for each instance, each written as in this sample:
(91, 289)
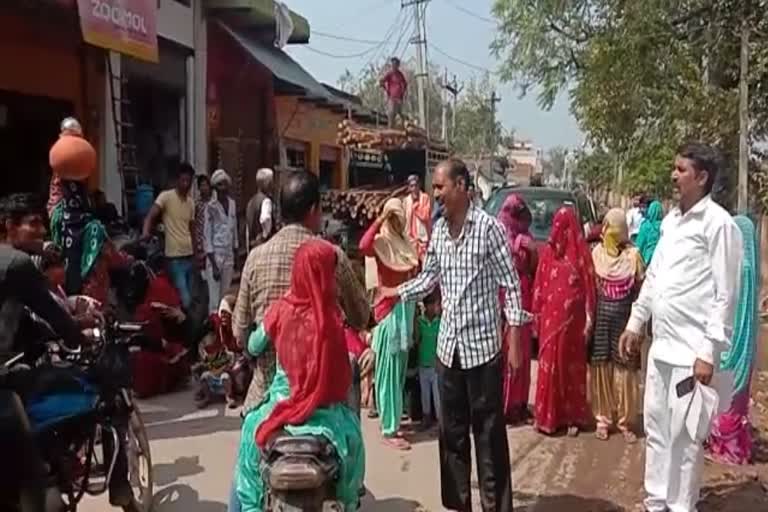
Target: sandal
(629, 436)
(573, 431)
(398, 443)
(602, 433)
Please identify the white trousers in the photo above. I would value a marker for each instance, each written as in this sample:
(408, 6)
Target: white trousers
(673, 463)
(218, 289)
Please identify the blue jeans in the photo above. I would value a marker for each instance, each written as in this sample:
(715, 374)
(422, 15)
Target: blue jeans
(180, 271)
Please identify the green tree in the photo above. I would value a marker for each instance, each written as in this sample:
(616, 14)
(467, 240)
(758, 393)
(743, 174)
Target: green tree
(477, 132)
(642, 77)
(554, 161)
(594, 169)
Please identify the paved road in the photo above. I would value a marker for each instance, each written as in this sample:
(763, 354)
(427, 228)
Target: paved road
(193, 453)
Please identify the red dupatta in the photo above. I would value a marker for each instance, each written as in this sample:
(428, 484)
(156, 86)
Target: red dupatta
(307, 330)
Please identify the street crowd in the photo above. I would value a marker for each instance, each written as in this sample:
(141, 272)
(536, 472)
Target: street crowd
(461, 302)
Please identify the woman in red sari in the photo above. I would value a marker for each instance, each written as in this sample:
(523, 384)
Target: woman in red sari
(161, 366)
(563, 305)
(516, 219)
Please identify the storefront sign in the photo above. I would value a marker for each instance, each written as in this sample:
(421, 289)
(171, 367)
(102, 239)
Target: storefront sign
(125, 26)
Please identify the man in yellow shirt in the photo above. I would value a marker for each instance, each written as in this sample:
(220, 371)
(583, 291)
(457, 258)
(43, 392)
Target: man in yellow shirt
(176, 210)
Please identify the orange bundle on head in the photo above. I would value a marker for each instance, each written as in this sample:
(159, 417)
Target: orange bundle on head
(72, 157)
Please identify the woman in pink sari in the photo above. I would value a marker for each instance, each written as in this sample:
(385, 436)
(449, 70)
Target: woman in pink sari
(516, 219)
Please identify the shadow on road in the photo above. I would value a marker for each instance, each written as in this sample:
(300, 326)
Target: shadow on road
(735, 497)
(182, 498)
(175, 416)
(166, 474)
(371, 504)
(562, 503)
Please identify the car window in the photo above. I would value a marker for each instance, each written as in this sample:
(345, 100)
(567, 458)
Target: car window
(543, 211)
(542, 208)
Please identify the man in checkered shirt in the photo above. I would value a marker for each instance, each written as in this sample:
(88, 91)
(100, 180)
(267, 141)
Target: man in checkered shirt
(267, 275)
(469, 257)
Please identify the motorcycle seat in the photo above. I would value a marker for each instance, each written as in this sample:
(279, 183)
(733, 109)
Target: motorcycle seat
(283, 443)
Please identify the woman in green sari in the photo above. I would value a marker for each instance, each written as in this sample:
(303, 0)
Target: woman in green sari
(397, 261)
(312, 379)
(650, 231)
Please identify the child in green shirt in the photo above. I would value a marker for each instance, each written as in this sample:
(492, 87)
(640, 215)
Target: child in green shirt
(427, 329)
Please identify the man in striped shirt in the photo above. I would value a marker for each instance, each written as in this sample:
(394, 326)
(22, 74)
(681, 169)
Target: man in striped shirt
(469, 257)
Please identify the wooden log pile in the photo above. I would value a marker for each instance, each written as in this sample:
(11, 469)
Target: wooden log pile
(411, 136)
(359, 205)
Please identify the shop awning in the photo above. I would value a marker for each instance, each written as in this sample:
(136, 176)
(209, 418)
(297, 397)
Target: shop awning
(282, 66)
(257, 14)
(288, 71)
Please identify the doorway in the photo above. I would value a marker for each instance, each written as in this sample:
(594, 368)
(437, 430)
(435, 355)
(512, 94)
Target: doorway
(29, 125)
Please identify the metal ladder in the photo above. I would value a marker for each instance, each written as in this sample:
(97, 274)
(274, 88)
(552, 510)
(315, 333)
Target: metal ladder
(125, 140)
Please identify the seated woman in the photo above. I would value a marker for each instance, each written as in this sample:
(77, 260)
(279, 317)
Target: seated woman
(160, 366)
(308, 395)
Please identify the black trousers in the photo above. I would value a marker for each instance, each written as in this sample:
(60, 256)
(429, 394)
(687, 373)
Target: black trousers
(473, 398)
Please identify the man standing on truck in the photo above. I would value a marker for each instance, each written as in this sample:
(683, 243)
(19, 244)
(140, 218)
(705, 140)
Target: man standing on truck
(395, 85)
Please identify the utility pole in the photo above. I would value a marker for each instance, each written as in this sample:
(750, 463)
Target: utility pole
(453, 89)
(494, 99)
(743, 196)
(444, 103)
(420, 40)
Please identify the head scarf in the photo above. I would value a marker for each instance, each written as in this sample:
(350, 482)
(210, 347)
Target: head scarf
(516, 218)
(613, 258)
(393, 248)
(740, 357)
(650, 231)
(307, 330)
(566, 238)
(80, 235)
(220, 176)
(566, 241)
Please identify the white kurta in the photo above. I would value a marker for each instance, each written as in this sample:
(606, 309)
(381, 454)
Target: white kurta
(690, 293)
(220, 239)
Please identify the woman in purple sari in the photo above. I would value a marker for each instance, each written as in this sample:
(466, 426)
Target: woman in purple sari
(730, 441)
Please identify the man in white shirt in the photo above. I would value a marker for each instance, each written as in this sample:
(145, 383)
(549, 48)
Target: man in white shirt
(220, 239)
(634, 217)
(690, 293)
(259, 214)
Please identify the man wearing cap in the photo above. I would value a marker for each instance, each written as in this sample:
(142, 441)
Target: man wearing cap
(219, 239)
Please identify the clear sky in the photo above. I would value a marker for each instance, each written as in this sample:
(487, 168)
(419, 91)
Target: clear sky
(459, 34)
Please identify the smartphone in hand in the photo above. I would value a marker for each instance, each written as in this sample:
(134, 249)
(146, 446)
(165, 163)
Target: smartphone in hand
(685, 386)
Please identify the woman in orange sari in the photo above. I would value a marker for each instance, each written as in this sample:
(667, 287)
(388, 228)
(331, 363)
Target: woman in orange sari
(563, 305)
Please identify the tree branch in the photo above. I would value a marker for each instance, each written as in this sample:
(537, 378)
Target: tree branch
(576, 39)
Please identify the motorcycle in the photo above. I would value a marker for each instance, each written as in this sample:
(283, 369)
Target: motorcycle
(300, 472)
(77, 401)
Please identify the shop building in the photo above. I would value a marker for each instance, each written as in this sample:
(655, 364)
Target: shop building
(243, 84)
(50, 73)
(155, 108)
